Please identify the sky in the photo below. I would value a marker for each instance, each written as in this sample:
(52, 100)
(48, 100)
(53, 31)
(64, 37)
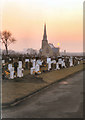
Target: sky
(25, 20)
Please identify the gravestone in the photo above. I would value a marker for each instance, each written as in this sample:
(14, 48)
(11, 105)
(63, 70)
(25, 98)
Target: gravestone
(9, 66)
(57, 66)
(26, 60)
(20, 70)
(12, 73)
(63, 64)
(20, 64)
(71, 61)
(3, 61)
(37, 68)
(39, 62)
(48, 60)
(11, 69)
(49, 65)
(32, 71)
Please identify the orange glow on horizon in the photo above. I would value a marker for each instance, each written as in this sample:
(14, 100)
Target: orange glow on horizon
(25, 20)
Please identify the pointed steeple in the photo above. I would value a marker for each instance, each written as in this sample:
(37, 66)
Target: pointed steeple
(45, 35)
(44, 41)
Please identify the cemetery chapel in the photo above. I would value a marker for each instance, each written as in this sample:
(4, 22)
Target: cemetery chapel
(48, 49)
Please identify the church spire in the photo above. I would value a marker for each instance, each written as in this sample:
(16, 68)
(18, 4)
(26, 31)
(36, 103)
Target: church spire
(45, 35)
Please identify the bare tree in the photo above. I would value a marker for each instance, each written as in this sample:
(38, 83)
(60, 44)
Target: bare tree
(7, 39)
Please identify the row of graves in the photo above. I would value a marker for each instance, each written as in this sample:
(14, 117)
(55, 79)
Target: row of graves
(14, 68)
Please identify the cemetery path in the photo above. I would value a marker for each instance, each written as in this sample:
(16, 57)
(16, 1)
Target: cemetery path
(61, 100)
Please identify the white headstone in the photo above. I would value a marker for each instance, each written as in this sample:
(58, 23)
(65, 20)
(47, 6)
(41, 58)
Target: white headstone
(48, 60)
(10, 59)
(20, 64)
(57, 66)
(9, 66)
(3, 61)
(71, 61)
(26, 60)
(49, 66)
(39, 62)
(12, 73)
(37, 68)
(34, 63)
(63, 63)
(53, 61)
(78, 62)
(32, 70)
(19, 72)
(59, 61)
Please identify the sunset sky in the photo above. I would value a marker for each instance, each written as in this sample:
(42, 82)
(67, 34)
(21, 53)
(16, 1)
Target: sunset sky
(25, 20)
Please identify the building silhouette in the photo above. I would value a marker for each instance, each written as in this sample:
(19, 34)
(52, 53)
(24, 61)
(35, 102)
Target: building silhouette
(48, 49)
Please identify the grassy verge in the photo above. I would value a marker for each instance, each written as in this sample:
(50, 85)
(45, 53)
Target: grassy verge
(59, 74)
(13, 89)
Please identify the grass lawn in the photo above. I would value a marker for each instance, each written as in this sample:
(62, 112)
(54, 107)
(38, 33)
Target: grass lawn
(12, 89)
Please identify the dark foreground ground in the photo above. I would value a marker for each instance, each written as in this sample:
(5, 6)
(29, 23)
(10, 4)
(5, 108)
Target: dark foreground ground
(61, 100)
